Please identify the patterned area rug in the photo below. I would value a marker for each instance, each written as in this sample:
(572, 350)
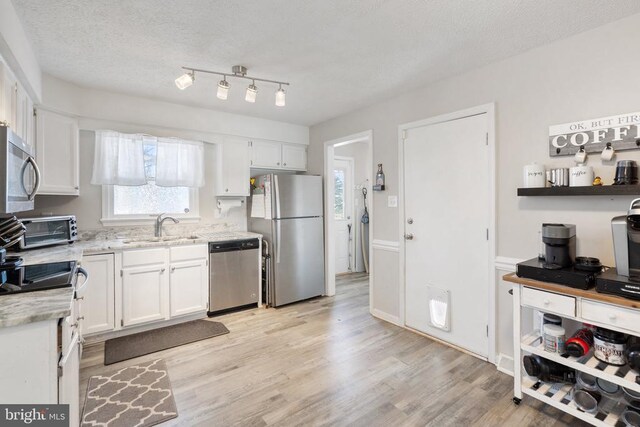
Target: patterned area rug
(138, 395)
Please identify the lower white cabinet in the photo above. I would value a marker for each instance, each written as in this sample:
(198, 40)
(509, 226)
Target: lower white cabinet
(69, 381)
(99, 295)
(188, 281)
(145, 294)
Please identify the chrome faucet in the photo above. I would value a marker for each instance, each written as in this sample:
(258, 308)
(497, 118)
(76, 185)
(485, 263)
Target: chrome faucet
(160, 221)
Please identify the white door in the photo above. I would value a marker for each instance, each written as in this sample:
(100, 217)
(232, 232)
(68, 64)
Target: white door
(144, 294)
(189, 285)
(446, 184)
(343, 213)
(98, 308)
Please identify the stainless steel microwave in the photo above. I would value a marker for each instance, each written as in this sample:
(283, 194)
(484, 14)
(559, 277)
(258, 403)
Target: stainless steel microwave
(19, 173)
(48, 231)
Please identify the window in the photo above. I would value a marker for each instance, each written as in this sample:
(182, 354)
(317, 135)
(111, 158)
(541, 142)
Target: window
(137, 204)
(339, 194)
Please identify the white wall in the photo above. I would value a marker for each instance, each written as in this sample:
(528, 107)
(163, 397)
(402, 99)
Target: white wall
(590, 75)
(16, 50)
(97, 109)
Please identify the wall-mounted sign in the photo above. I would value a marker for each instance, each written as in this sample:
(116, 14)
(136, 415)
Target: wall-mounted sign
(622, 132)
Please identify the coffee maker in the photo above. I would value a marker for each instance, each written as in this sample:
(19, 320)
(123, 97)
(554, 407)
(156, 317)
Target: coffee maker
(626, 241)
(560, 245)
(624, 280)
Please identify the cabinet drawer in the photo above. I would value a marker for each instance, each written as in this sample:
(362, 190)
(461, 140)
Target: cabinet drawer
(549, 302)
(144, 257)
(189, 252)
(611, 315)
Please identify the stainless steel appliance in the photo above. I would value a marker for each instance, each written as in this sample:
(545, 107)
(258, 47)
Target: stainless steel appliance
(234, 274)
(47, 231)
(19, 173)
(287, 210)
(15, 278)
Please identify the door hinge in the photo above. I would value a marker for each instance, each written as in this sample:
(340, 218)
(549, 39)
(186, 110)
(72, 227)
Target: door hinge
(35, 112)
(404, 134)
(121, 273)
(487, 138)
(60, 371)
(487, 234)
(487, 330)
(121, 322)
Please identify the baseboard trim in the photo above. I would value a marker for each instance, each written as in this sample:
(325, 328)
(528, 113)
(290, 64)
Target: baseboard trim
(386, 317)
(386, 245)
(505, 364)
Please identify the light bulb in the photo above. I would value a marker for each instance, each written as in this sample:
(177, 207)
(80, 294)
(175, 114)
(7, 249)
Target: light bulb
(185, 80)
(252, 91)
(280, 97)
(223, 89)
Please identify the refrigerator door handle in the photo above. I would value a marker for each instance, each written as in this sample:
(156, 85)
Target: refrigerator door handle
(278, 240)
(277, 191)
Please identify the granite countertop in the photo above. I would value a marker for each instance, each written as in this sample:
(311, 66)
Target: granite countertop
(29, 307)
(37, 306)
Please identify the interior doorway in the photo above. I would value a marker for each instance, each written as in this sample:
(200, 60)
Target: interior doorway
(348, 214)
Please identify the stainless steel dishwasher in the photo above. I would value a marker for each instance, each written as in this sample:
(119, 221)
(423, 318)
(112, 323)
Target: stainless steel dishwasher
(234, 274)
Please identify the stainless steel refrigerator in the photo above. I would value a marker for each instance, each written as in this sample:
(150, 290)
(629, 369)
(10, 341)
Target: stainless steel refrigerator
(287, 210)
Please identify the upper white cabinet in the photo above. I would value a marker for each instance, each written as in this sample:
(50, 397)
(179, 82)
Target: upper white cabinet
(8, 97)
(57, 153)
(278, 155)
(294, 156)
(233, 163)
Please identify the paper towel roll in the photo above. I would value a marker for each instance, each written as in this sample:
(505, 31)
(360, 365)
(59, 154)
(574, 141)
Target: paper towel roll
(224, 205)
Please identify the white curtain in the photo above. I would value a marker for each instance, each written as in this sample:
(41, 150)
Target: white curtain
(118, 159)
(179, 163)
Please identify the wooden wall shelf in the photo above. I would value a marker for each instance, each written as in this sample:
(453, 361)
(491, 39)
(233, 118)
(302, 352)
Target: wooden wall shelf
(601, 190)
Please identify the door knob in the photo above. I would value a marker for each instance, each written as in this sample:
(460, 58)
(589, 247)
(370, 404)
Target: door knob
(408, 236)
(409, 220)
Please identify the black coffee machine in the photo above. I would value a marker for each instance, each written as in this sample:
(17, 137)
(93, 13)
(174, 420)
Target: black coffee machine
(560, 245)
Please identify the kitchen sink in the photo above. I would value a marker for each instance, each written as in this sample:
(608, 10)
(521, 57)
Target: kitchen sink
(161, 239)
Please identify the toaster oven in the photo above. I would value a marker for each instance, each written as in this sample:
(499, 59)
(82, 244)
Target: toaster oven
(48, 231)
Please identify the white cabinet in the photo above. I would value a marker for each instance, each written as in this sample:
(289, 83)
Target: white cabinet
(294, 157)
(8, 97)
(266, 154)
(188, 293)
(99, 294)
(189, 279)
(162, 283)
(145, 294)
(57, 153)
(278, 155)
(69, 381)
(233, 163)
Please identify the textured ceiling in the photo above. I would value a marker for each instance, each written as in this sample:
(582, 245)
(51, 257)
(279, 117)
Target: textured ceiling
(338, 55)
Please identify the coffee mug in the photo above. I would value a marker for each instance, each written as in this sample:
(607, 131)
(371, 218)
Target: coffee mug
(534, 176)
(581, 176)
(581, 156)
(607, 153)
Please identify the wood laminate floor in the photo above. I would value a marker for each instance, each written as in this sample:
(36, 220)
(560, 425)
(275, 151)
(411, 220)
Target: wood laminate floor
(328, 362)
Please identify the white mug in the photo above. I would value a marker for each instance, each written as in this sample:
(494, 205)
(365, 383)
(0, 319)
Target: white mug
(534, 176)
(607, 153)
(581, 156)
(581, 176)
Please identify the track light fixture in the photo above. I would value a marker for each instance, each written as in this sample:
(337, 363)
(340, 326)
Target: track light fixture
(185, 80)
(280, 95)
(237, 71)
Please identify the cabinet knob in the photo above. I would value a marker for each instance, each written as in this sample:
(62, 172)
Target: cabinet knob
(162, 270)
(76, 187)
(79, 298)
(284, 164)
(278, 163)
(173, 269)
(226, 190)
(546, 302)
(81, 318)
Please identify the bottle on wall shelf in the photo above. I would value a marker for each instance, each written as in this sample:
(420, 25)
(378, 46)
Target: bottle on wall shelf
(379, 185)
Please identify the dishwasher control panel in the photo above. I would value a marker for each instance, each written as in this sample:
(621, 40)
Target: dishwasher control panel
(234, 245)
